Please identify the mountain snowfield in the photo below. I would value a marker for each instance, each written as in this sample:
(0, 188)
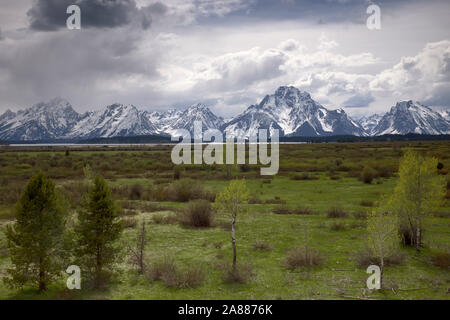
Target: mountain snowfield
(294, 113)
(291, 111)
(411, 117)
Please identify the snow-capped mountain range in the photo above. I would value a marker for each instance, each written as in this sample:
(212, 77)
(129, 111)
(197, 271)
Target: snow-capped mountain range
(411, 117)
(291, 111)
(294, 113)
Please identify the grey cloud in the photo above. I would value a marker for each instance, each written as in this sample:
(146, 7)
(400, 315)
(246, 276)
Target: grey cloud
(319, 11)
(87, 67)
(50, 15)
(440, 96)
(1, 35)
(358, 101)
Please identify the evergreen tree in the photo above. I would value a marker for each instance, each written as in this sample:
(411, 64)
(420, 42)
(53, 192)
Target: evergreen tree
(99, 226)
(36, 239)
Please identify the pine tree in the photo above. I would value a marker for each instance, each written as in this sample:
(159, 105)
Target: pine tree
(99, 226)
(418, 193)
(231, 202)
(36, 239)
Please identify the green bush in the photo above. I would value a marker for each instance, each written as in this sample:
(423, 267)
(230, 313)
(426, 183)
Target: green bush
(197, 214)
(159, 268)
(261, 245)
(241, 274)
(188, 277)
(301, 257)
(368, 174)
(336, 212)
(166, 270)
(441, 260)
(338, 226)
(184, 190)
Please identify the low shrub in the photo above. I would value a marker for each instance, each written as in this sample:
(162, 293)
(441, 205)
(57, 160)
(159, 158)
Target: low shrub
(188, 277)
(301, 210)
(185, 190)
(136, 192)
(241, 274)
(165, 269)
(254, 199)
(336, 212)
(368, 174)
(441, 260)
(304, 176)
(364, 259)
(161, 218)
(301, 257)
(164, 265)
(160, 193)
(197, 214)
(384, 172)
(129, 223)
(283, 209)
(358, 225)
(366, 203)
(338, 226)
(244, 167)
(360, 215)
(261, 245)
(176, 173)
(275, 200)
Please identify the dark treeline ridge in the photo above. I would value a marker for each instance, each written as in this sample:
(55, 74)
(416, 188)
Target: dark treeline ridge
(166, 139)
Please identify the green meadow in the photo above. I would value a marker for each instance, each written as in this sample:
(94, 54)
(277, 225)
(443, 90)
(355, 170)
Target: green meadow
(285, 211)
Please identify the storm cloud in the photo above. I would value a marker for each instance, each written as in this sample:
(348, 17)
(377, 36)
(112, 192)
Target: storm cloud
(227, 54)
(50, 15)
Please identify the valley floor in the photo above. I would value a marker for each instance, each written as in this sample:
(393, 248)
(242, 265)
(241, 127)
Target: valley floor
(317, 177)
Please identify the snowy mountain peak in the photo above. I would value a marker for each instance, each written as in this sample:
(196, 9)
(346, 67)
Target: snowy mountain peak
(57, 105)
(368, 123)
(44, 120)
(411, 117)
(289, 92)
(294, 113)
(197, 112)
(289, 110)
(198, 107)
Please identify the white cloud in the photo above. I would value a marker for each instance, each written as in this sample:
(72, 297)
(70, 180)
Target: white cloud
(326, 44)
(424, 77)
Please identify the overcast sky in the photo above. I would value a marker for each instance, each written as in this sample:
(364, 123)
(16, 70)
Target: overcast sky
(227, 54)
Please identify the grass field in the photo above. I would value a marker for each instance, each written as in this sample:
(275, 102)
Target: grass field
(316, 177)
